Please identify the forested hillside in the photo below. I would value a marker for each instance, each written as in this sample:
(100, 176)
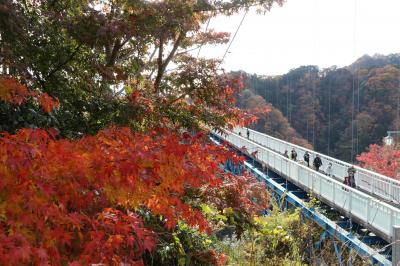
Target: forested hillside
(340, 111)
(270, 119)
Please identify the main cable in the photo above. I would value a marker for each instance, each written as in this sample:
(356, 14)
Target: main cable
(234, 36)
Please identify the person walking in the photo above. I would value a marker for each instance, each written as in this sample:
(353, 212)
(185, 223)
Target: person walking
(329, 170)
(317, 163)
(307, 158)
(352, 172)
(264, 168)
(294, 155)
(286, 154)
(248, 133)
(346, 181)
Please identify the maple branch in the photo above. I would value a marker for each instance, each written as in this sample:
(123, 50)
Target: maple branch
(189, 50)
(226, 7)
(177, 99)
(111, 60)
(149, 61)
(61, 65)
(163, 65)
(159, 64)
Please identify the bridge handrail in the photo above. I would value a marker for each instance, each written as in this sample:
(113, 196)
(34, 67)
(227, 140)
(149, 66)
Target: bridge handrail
(388, 195)
(375, 214)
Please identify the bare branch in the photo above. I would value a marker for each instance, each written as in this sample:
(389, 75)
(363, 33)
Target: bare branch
(163, 65)
(62, 64)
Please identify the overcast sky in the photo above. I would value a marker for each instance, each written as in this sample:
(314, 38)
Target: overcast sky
(304, 32)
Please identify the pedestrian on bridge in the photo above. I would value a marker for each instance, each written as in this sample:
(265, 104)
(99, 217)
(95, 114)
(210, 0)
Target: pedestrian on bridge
(351, 171)
(307, 158)
(294, 155)
(264, 168)
(317, 162)
(352, 180)
(329, 170)
(248, 133)
(286, 154)
(346, 181)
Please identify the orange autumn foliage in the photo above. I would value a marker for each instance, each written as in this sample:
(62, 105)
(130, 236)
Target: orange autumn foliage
(13, 92)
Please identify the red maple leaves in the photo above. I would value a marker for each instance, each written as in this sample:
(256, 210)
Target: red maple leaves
(382, 159)
(75, 201)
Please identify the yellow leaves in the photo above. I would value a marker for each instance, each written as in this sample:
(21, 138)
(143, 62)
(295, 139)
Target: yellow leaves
(181, 251)
(3, 216)
(146, 163)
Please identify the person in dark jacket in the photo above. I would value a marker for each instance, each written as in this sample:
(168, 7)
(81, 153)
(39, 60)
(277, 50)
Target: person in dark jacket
(317, 163)
(307, 158)
(346, 181)
(294, 155)
(248, 133)
(352, 180)
(286, 154)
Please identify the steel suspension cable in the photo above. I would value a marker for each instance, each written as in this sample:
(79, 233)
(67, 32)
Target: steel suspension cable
(329, 116)
(312, 81)
(234, 36)
(353, 87)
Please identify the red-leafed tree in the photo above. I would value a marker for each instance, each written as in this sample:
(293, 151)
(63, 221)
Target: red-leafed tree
(382, 159)
(75, 201)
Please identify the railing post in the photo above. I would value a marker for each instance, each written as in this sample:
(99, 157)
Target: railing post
(333, 192)
(396, 246)
(392, 220)
(373, 185)
(350, 199)
(320, 185)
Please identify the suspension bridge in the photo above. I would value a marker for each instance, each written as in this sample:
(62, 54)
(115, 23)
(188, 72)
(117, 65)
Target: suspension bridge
(369, 220)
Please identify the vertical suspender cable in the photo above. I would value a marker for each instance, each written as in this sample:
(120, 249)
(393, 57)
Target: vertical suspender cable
(358, 111)
(313, 81)
(353, 86)
(329, 116)
(290, 101)
(315, 113)
(287, 98)
(356, 78)
(309, 84)
(398, 125)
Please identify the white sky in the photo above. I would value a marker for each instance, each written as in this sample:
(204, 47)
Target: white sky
(309, 32)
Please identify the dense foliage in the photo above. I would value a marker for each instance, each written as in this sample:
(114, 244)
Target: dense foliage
(340, 111)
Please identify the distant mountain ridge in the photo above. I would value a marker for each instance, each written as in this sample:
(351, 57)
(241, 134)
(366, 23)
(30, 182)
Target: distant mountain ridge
(340, 111)
(377, 60)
